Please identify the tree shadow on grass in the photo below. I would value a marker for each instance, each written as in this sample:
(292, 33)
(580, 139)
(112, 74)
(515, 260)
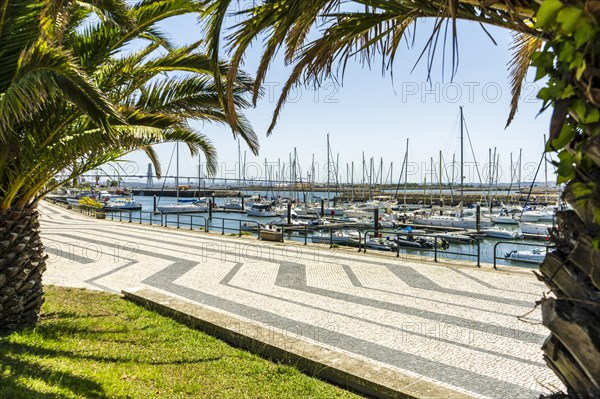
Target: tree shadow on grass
(16, 374)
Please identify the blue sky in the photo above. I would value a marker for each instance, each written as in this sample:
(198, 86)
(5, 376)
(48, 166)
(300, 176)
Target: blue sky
(374, 114)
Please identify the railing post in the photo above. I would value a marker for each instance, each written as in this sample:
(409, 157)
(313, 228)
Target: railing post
(130, 216)
(222, 226)
(305, 235)
(177, 220)
(478, 253)
(495, 246)
(435, 249)
(330, 237)
(397, 245)
(240, 228)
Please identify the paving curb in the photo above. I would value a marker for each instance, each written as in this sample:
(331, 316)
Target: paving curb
(339, 367)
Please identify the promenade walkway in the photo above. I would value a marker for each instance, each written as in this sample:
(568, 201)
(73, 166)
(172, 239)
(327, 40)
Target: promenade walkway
(459, 328)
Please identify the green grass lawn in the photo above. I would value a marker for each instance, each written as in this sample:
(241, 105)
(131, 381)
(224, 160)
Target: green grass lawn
(97, 345)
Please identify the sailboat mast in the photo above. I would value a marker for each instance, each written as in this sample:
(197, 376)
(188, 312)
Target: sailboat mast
(381, 171)
(312, 172)
(519, 179)
(431, 181)
(440, 180)
(239, 164)
(452, 182)
(352, 180)
(405, 173)
(545, 172)
(462, 174)
(328, 160)
(177, 171)
(490, 177)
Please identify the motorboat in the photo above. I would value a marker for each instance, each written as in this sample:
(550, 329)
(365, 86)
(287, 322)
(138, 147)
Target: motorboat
(125, 204)
(74, 199)
(495, 232)
(452, 221)
(410, 230)
(380, 244)
(417, 241)
(534, 256)
(386, 224)
(104, 195)
(261, 210)
(271, 233)
(364, 210)
(249, 226)
(335, 237)
(319, 222)
(233, 204)
(189, 207)
(293, 222)
(504, 218)
(345, 219)
(535, 229)
(455, 237)
(405, 242)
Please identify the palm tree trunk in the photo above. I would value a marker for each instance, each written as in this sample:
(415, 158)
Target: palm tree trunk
(22, 262)
(572, 350)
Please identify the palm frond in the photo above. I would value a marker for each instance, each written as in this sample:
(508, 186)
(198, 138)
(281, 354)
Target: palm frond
(74, 97)
(347, 32)
(524, 46)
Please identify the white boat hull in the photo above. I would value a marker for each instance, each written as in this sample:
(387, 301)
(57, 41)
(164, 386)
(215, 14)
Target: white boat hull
(448, 221)
(500, 234)
(535, 256)
(181, 208)
(258, 213)
(537, 229)
(504, 220)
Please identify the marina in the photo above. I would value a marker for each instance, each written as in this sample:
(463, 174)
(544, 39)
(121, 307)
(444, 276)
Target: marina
(464, 243)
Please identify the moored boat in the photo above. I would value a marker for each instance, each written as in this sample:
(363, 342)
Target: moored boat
(271, 233)
(534, 256)
(336, 237)
(261, 210)
(122, 204)
(535, 229)
(495, 232)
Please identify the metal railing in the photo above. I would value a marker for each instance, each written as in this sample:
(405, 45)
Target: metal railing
(438, 247)
(331, 229)
(179, 220)
(240, 222)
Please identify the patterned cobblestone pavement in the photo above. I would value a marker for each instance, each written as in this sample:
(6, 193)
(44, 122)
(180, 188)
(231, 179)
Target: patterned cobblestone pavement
(472, 330)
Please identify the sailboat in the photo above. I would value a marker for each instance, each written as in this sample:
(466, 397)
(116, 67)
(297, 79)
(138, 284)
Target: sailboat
(183, 206)
(461, 221)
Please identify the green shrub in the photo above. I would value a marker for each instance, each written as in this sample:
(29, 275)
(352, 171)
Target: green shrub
(87, 201)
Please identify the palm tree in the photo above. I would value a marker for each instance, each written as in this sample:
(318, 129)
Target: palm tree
(562, 39)
(81, 84)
